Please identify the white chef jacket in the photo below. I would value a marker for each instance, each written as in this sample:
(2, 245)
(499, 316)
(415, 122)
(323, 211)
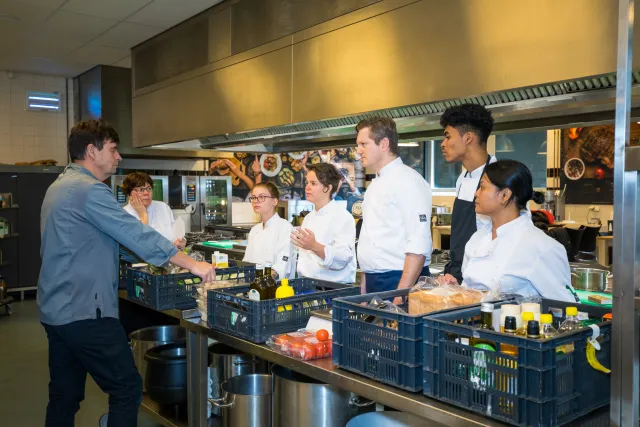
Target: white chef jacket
(160, 218)
(272, 244)
(335, 228)
(396, 212)
(522, 260)
(466, 187)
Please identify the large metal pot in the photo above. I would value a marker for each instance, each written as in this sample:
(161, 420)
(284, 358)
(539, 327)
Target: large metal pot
(154, 336)
(246, 401)
(227, 362)
(320, 405)
(589, 279)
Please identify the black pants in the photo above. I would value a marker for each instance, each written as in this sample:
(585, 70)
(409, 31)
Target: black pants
(98, 347)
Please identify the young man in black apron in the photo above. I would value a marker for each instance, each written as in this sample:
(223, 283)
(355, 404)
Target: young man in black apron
(466, 130)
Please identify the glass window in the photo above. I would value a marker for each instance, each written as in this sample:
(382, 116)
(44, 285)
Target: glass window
(413, 155)
(529, 148)
(443, 175)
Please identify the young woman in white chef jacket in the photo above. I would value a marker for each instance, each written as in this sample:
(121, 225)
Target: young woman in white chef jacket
(511, 253)
(269, 240)
(326, 240)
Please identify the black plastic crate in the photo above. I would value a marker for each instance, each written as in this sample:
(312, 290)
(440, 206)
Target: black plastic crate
(167, 291)
(256, 321)
(537, 387)
(390, 352)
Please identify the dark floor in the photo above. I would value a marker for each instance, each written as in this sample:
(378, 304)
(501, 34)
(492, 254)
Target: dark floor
(24, 375)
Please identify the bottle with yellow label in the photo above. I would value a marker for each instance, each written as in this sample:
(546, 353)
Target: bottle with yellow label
(284, 291)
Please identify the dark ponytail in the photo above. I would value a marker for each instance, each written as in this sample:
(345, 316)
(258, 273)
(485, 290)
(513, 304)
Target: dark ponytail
(516, 177)
(538, 197)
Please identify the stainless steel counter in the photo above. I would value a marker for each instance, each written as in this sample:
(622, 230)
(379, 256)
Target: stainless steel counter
(323, 370)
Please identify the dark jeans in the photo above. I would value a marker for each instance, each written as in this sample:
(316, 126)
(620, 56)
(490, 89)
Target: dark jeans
(98, 347)
(381, 282)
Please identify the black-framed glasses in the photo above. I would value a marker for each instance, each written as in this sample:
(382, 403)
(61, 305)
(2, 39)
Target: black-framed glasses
(143, 190)
(261, 198)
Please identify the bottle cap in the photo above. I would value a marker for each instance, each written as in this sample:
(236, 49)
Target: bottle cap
(486, 306)
(284, 282)
(268, 265)
(259, 266)
(527, 316)
(533, 328)
(546, 319)
(572, 311)
(510, 324)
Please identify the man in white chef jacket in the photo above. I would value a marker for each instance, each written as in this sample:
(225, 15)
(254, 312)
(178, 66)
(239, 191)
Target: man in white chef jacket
(394, 248)
(466, 130)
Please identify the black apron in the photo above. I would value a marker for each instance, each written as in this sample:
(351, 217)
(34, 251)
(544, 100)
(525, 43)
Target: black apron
(463, 225)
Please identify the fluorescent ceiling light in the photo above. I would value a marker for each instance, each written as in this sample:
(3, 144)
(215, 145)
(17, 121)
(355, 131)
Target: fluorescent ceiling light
(408, 144)
(49, 107)
(49, 101)
(43, 98)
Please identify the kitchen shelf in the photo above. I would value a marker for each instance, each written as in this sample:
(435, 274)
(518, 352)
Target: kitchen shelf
(9, 208)
(167, 420)
(11, 236)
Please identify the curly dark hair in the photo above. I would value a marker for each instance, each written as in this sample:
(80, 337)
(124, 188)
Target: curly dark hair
(328, 175)
(271, 188)
(469, 118)
(135, 180)
(381, 127)
(94, 132)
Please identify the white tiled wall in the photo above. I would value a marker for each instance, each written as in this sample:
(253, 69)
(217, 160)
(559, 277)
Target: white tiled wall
(27, 136)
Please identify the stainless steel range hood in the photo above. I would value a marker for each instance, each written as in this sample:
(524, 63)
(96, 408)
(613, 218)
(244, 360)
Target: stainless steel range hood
(290, 86)
(564, 104)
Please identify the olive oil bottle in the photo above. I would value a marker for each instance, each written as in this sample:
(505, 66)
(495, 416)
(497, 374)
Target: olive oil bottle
(258, 289)
(271, 284)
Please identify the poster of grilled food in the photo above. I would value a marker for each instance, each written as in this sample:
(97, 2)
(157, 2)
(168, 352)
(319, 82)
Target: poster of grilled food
(587, 159)
(286, 170)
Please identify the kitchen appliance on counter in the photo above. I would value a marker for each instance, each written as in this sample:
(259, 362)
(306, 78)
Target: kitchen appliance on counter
(215, 201)
(160, 188)
(184, 199)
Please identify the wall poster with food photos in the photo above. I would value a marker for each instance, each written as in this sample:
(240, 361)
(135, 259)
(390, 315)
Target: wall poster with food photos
(586, 157)
(287, 171)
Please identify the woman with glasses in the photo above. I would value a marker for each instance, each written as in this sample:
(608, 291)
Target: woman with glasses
(138, 186)
(327, 237)
(269, 239)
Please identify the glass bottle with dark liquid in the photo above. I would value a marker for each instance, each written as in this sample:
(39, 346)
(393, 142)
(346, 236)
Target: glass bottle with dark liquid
(272, 286)
(258, 289)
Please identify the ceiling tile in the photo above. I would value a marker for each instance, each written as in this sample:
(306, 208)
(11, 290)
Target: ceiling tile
(112, 9)
(27, 14)
(167, 13)
(126, 35)
(49, 4)
(84, 27)
(95, 54)
(125, 62)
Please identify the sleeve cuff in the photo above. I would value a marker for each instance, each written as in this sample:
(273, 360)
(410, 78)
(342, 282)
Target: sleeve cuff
(328, 257)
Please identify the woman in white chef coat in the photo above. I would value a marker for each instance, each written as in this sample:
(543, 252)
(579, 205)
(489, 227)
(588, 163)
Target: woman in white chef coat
(269, 239)
(138, 186)
(327, 237)
(510, 252)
